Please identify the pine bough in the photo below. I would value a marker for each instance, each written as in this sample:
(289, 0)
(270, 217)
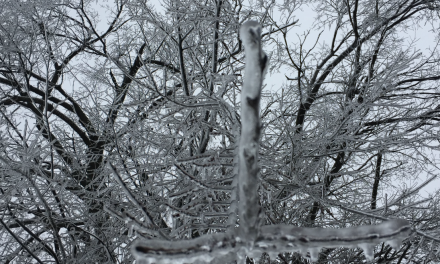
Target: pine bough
(251, 238)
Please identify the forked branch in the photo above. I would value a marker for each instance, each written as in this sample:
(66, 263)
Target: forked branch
(251, 238)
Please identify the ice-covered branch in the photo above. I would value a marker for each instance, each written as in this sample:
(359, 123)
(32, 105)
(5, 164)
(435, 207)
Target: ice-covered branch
(285, 238)
(274, 239)
(200, 250)
(256, 60)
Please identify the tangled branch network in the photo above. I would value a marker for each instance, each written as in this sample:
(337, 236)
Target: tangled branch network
(251, 237)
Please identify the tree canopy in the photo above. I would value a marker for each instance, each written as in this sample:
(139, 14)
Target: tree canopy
(120, 120)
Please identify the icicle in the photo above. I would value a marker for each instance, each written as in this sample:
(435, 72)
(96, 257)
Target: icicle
(130, 230)
(273, 255)
(368, 251)
(241, 257)
(303, 252)
(253, 254)
(395, 243)
(314, 254)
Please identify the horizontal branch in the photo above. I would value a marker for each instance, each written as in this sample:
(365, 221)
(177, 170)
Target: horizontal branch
(204, 248)
(273, 239)
(281, 238)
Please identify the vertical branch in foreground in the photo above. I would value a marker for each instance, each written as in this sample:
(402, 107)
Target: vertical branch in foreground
(256, 60)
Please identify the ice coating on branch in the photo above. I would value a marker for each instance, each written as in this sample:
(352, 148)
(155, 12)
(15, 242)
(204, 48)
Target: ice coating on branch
(248, 176)
(189, 259)
(368, 250)
(297, 237)
(201, 250)
(285, 238)
(303, 252)
(272, 240)
(314, 254)
(130, 231)
(395, 243)
(273, 255)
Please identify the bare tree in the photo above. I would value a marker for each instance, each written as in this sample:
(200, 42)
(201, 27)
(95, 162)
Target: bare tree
(251, 236)
(122, 122)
